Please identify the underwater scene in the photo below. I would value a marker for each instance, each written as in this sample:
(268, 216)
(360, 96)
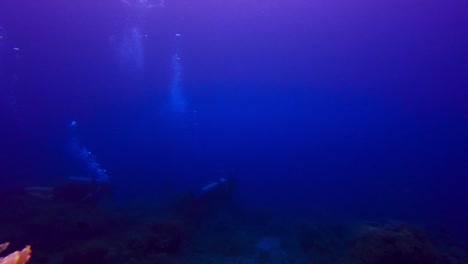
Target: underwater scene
(234, 131)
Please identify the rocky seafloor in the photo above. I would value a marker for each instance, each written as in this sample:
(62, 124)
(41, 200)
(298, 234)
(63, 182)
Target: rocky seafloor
(171, 234)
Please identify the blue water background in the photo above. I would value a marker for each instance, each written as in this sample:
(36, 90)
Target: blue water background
(349, 109)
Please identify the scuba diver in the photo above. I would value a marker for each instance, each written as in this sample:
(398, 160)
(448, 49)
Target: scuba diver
(212, 197)
(75, 189)
(217, 192)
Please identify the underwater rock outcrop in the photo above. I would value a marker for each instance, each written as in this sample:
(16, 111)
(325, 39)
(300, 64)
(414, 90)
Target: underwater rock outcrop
(390, 244)
(323, 242)
(268, 250)
(17, 257)
(163, 236)
(93, 251)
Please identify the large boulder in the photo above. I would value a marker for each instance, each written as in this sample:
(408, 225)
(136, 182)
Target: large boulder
(392, 244)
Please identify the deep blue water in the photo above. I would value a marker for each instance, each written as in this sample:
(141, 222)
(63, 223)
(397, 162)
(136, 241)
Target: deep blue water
(350, 109)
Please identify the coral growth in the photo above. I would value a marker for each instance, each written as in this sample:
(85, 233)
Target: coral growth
(17, 257)
(392, 243)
